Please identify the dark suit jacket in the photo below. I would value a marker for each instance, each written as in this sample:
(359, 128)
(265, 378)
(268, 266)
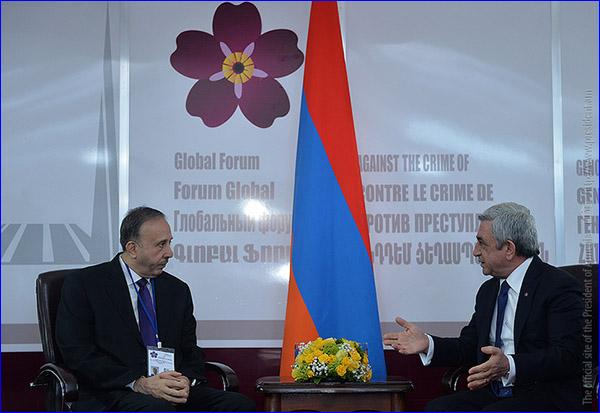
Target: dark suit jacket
(99, 337)
(548, 334)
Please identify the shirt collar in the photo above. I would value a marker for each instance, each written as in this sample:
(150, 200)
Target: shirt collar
(134, 275)
(515, 279)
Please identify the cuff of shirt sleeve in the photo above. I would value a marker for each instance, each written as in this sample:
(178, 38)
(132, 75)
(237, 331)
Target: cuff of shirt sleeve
(509, 378)
(426, 357)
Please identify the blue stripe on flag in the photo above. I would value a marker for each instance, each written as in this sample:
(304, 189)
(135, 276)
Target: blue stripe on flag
(329, 259)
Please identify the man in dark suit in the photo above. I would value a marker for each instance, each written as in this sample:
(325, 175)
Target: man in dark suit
(103, 328)
(524, 338)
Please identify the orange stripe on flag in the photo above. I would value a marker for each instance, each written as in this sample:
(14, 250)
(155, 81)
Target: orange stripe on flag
(299, 327)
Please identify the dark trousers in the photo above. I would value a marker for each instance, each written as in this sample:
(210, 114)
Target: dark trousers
(484, 400)
(201, 398)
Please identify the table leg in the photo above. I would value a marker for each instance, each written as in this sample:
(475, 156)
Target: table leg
(398, 402)
(273, 402)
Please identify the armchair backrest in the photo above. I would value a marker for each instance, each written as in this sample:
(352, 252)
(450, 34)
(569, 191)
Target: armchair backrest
(587, 275)
(48, 287)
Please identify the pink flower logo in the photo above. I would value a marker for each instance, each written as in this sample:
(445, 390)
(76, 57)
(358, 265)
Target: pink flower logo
(237, 66)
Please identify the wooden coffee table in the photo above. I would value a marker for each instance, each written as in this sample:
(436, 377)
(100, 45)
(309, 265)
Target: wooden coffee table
(285, 395)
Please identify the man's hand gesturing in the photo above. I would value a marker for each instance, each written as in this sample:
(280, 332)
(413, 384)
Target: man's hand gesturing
(410, 341)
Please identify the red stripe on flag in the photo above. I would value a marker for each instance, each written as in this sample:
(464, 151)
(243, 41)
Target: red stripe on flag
(328, 99)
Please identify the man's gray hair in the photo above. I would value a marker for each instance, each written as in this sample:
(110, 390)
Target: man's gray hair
(133, 221)
(511, 221)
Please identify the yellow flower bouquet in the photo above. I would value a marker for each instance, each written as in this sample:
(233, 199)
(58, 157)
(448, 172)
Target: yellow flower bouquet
(331, 359)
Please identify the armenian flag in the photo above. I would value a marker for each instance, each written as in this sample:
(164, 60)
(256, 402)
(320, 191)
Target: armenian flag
(332, 287)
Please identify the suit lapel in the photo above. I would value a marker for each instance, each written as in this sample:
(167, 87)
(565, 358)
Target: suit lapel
(161, 291)
(530, 283)
(118, 292)
(489, 302)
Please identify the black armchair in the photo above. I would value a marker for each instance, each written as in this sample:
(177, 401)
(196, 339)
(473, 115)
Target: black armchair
(587, 274)
(60, 383)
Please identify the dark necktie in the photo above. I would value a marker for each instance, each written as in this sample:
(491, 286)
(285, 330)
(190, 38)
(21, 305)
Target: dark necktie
(496, 385)
(146, 328)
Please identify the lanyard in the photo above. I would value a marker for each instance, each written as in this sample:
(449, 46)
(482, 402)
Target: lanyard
(153, 320)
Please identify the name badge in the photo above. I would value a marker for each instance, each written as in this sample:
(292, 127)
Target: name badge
(160, 360)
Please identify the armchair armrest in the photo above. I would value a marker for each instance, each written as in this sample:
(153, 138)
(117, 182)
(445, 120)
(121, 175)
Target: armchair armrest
(455, 379)
(228, 377)
(66, 380)
(61, 384)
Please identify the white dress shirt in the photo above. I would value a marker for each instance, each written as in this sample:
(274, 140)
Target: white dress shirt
(515, 280)
(133, 294)
(133, 288)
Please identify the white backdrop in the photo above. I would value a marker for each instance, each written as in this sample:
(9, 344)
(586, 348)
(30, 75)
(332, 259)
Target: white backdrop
(456, 106)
